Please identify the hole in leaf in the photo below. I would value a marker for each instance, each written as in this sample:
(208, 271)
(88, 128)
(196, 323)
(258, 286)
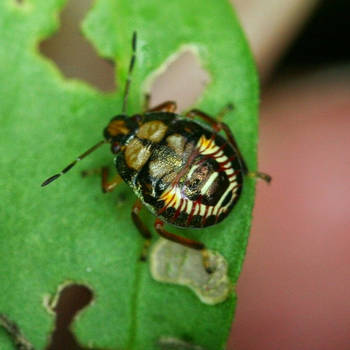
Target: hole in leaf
(183, 81)
(175, 263)
(71, 300)
(73, 54)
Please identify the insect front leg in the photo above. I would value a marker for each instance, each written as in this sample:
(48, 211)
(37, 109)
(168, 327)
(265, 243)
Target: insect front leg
(109, 186)
(159, 226)
(106, 185)
(167, 106)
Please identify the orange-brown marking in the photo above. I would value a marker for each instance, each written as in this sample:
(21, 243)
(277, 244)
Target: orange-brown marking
(153, 131)
(116, 127)
(136, 154)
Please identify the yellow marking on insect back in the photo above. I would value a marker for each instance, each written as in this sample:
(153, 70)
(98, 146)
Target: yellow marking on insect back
(136, 154)
(166, 196)
(171, 197)
(153, 131)
(117, 127)
(206, 146)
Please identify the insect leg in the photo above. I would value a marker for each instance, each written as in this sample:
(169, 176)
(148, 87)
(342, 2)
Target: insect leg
(71, 165)
(167, 106)
(218, 126)
(131, 67)
(109, 186)
(214, 122)
(146, 234)
(256, 174)
(159, 224)
(146, 102)
(106, 186)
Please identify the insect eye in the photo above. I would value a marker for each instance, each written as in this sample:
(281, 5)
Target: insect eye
(115, 147)
(138, 118)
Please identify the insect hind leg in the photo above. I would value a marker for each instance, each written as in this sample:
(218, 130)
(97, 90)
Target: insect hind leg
(159, 224)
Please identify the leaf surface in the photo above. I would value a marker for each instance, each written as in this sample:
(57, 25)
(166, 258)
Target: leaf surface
(69, 232)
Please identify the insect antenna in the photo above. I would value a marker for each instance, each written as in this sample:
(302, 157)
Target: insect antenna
(125, 98)
(131, 66)
(71, 165)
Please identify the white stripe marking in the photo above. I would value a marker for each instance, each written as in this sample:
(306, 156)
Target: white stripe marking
(221, 159)
(189, 206)
(209, 182)
(193, 168)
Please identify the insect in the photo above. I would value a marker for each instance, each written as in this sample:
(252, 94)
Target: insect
(182, 170)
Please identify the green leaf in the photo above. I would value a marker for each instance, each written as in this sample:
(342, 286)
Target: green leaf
(69, 231)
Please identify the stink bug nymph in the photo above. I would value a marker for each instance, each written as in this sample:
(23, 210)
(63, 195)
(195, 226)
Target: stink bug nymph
(182, 170)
